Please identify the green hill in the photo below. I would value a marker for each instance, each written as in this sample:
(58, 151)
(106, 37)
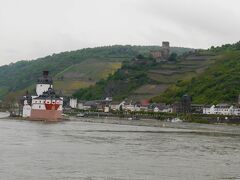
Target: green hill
(71, 70)
(219, 83)
(144, 78)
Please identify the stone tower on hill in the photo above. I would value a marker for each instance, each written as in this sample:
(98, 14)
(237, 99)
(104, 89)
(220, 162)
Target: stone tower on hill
(165, 49)
(162, 54)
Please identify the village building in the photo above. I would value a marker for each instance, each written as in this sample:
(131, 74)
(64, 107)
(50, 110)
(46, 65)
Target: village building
(80, 105)
(144, 108)
(26, 109)
(197, 108)
(156, 54)
(129, 106)
(236, 111)
(222, 109)
(106, 109)
(162, 107)
(116, 106)
(144, 105)
(108, 99)
(99, 105)
(91, 105)
(208, 109)
(73, 103)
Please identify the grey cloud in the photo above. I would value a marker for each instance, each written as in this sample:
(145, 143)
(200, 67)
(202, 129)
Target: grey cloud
(36, 28)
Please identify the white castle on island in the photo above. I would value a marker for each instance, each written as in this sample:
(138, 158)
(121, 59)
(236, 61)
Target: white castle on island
(45, 105)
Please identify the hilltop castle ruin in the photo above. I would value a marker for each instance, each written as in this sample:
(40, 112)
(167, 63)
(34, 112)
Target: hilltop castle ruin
(162, 54)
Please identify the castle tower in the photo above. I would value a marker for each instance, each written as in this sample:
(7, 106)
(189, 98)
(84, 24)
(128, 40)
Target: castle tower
(165, 49)
(43, 83)
(165, 44)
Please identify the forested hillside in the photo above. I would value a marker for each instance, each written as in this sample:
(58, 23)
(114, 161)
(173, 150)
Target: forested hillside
(71, 70)
(220, 82)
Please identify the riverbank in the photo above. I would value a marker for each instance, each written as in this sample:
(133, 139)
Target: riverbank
(211, 129)
(193, 118)
(120, 121)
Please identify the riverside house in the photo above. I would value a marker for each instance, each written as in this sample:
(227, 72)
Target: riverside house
(222, 109)
(162, 107)
(73, 103)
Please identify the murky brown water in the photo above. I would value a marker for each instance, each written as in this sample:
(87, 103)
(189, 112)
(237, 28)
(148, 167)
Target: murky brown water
(78, 150)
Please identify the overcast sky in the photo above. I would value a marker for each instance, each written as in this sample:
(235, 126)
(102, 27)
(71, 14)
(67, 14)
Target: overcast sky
(36, 28)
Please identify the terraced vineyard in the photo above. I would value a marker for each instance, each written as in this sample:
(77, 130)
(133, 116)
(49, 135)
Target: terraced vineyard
(84, 74)
(156, 77)
(168, 73)
(218, 84)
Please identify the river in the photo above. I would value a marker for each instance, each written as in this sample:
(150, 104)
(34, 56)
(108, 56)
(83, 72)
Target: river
(83, 150)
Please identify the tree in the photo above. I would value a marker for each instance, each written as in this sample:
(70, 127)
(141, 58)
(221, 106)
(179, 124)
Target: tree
(237, 45)
(140, 56)
(173, 57)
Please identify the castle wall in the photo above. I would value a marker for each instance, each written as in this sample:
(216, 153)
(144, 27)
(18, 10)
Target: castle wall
(47, 115)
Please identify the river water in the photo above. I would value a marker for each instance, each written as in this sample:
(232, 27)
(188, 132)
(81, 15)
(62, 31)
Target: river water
(83, 150)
